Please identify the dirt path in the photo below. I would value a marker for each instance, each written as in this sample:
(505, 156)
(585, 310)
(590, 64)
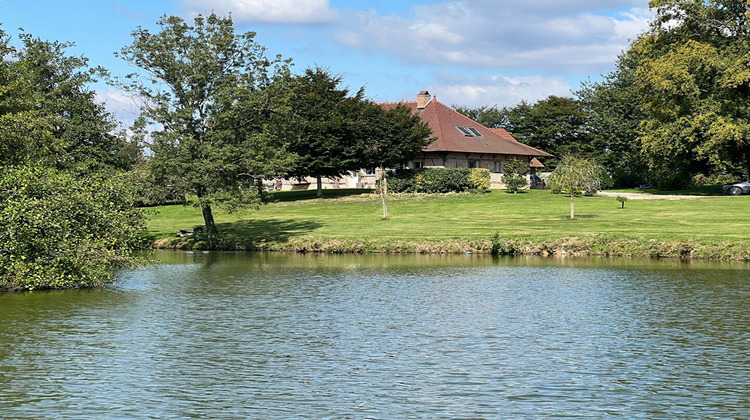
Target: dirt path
(646, 196)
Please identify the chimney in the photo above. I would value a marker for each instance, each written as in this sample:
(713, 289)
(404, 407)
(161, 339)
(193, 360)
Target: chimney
(423, 98)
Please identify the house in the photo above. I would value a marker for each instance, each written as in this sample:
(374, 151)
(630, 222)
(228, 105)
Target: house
(459, 142)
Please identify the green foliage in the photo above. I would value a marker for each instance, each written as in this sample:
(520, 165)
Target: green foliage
(692, 73)
(701, 180)
(480, 178)
(621, 199)
(514, 174)
(327, 123)
(57, 231)
(575, 176)
(556, 125)
(615, 113)
(503, 247)
(207, 89)
(48, 115)
(437, 180)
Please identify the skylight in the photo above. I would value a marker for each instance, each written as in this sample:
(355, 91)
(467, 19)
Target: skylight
(469, 131)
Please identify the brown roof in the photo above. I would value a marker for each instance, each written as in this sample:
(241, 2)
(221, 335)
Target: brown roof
(443, 121)
(535, 163)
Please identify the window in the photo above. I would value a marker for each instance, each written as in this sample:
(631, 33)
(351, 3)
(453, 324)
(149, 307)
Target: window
(474, 131)
(417, 165)
(497, 167)
(469, 131)
(369, 171)
(472, 164)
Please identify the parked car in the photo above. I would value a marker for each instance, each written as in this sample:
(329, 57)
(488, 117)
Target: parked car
(536, 183)
(736, 188)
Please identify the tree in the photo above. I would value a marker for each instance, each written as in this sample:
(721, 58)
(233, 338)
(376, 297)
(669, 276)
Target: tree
(204, 86)
(575, 176)
(48, 115)
(328, 126)
(514, 174)
(615, 113)
(694, 75)
(557, 125)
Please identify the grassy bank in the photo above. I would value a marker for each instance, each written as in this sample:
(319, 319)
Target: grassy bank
(529, 222)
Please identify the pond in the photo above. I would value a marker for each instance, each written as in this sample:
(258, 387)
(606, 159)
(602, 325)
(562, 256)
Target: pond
(252, 335)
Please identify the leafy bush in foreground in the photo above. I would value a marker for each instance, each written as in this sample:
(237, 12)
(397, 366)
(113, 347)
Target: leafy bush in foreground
(60, 232)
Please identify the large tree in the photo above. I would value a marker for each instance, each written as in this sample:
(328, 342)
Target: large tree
(328, 125)
(204, 86)
(614, 112)
(48, 114)
(694, 73)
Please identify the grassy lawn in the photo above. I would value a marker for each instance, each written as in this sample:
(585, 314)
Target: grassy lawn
(345, 215)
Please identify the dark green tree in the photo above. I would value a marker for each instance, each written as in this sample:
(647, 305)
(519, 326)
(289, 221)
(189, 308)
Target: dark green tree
(66, 215)
(204, 85)
(330, 126)
(615, 114)
(557, 125)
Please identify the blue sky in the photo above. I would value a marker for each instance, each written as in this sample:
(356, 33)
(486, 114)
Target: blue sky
(471, 53)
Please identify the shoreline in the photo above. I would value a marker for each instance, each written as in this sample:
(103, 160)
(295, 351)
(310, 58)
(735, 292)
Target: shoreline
(584, 245)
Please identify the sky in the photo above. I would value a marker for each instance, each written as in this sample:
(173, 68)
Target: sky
(467, 53)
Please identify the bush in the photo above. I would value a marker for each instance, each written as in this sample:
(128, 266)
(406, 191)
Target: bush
(515, 174)
(715, 179)
(480, 178)
(673, 181)
(59, 232)
(438, 180)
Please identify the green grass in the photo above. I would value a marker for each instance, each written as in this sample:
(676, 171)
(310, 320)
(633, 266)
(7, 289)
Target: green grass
(527, 218)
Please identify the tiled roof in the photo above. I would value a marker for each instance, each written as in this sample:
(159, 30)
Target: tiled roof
(443, 121)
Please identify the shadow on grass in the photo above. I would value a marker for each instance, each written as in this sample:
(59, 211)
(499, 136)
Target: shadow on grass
(312, 194)
(259, 231)
(578, 216)
(704, 190)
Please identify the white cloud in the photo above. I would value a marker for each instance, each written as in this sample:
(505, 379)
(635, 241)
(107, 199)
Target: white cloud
(564, 37)
(497, 90)
(123, 105)
(268, 11)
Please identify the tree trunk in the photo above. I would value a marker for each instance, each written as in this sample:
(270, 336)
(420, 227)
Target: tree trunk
(208, 220)
(572, 207)
(383, 192)
(320, 185)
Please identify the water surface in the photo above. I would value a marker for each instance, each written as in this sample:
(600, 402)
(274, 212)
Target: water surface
(242, 335)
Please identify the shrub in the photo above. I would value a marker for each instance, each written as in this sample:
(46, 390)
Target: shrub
(673, 181)
(438, 180)
(715, 179)
(59, 232)
(480, 178)
(515, 174)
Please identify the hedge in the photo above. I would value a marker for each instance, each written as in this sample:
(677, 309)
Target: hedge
(438, 180)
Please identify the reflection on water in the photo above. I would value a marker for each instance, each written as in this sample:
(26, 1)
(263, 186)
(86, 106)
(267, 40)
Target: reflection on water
(240, 335)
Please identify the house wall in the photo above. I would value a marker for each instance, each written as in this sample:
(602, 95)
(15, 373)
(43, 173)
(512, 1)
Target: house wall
(461, 160)
(367, 179)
